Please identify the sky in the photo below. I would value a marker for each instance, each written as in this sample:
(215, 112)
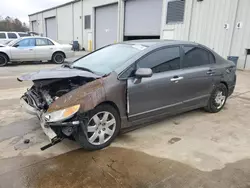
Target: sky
(22, 8)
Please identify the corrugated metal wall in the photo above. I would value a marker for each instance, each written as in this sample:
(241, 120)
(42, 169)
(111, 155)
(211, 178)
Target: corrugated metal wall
(65, 24)
(78, 22)
(241, 36)
(205, 22)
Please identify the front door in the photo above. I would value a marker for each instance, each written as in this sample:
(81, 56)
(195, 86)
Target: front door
(23, 50)
(160, 93)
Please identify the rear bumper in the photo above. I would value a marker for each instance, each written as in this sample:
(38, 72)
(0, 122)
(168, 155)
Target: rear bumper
(40, 114)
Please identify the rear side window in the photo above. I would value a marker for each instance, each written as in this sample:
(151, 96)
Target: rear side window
(162, 60)
(43, 42)
(2, 36)
(195, 56)
(12, 35)
(50, 42)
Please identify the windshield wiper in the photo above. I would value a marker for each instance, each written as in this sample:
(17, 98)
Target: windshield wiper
(82, 68)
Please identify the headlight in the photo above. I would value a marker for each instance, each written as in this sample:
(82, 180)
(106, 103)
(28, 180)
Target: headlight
(62, 115)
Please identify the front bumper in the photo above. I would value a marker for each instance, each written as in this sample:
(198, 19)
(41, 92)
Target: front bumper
(40, 114)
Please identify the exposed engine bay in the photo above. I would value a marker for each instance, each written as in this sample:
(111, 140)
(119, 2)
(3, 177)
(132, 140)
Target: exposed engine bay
(45, 92)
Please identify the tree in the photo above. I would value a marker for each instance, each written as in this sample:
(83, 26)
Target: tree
(12, 24)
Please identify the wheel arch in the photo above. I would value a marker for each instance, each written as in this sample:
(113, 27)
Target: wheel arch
(58, 51)
(8, 58)
(111, 103)
(225, 83)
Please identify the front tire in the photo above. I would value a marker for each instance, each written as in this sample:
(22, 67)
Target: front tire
(102, 127)
(3, 60)
(217, 99)
(58, 58)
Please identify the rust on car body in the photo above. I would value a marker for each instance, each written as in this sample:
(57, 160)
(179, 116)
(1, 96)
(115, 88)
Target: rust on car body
(88, 96)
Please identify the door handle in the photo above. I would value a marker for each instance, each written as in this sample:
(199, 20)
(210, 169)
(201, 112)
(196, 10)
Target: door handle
(176, 79)
(30, 49)
(210, 72)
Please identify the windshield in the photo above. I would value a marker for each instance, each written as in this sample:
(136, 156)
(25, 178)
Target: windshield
(108, 59)
(11, 43)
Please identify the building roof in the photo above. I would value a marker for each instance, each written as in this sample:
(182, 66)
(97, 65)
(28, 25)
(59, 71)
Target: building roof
(68, 3)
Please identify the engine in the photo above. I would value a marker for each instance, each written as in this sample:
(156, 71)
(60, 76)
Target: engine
(45, 92)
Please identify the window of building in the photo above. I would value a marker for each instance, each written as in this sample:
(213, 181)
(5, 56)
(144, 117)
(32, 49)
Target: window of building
(162, 60)
(175, 11)
(87, 21)
(12, 35)
(195, 57)
(2, 36)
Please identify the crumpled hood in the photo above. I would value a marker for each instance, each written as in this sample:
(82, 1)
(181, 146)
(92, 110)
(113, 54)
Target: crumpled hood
(59, 72)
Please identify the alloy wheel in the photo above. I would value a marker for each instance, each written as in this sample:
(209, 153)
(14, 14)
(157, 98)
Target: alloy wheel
(59, 58)
(220, 99)
(101, 128)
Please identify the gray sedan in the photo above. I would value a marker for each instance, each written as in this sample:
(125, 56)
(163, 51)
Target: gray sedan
(124, 85)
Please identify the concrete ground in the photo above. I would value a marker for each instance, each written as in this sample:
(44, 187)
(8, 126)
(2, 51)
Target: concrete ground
(194, 149)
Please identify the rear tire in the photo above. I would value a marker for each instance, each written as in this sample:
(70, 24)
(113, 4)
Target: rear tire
(3, 60)
(94, 135)
(58, 58)
(217, 99)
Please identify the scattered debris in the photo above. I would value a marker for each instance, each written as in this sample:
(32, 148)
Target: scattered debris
(174, 140)
(26, 141)
(176, 122)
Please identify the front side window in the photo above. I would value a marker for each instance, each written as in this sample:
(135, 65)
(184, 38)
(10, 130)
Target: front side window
(195, 56)
(26, 43)
(12, 35)
(162, 60)
(2, 36)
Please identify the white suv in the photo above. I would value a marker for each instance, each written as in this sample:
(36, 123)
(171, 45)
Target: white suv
(9, 36)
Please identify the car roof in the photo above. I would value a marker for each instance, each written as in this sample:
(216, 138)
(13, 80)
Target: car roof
(153, 42)
(30, 37)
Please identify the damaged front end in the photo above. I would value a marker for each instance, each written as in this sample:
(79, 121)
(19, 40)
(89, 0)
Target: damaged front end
(60, 101)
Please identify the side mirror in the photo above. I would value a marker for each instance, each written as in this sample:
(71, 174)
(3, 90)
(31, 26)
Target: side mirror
(15, 45)
(144, 73)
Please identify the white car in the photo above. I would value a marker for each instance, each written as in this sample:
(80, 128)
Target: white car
(6, 37)
(34, 49)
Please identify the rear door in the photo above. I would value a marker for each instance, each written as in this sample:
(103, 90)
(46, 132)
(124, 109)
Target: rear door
(23, 50)
(198, 75)
(159, 93)
(44, 49)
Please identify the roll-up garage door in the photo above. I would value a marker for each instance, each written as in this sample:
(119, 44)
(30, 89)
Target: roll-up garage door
(143, 17)
(106, 18)
(51, 28)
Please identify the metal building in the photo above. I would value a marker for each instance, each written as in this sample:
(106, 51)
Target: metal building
(220, 24)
